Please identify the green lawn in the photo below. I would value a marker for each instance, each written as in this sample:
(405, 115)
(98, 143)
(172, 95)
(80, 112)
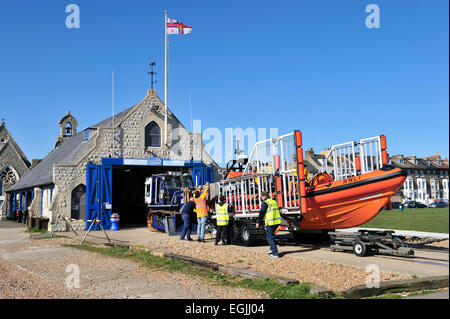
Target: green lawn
(420, 219)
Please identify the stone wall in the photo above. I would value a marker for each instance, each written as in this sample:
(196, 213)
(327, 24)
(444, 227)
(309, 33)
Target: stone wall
(34, 209)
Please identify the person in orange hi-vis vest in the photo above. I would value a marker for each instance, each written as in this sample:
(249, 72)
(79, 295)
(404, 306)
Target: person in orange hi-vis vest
(202, 212)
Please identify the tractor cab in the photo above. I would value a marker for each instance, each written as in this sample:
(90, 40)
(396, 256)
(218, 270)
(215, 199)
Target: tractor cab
(167, 190)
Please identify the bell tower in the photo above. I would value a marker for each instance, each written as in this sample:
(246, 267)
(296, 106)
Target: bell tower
(67, 128)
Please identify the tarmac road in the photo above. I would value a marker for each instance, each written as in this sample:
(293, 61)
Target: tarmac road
(422, 264)
(436, 295)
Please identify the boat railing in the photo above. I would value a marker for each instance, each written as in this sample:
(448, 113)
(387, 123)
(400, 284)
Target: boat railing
(244, 193)
(272, 168)
(354, 158)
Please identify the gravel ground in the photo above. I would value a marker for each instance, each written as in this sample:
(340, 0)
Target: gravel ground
(18, 283)
(332, 276)
(27, 265)
(35, 269)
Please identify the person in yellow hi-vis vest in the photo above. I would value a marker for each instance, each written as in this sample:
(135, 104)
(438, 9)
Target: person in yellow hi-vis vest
(270, 213)
(222, 219)
(202, 212)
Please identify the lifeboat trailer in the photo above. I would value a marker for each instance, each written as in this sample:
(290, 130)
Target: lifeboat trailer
(354, 183)
(364, 242)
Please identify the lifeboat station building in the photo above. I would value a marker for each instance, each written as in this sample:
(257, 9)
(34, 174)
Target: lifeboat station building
(102, 169)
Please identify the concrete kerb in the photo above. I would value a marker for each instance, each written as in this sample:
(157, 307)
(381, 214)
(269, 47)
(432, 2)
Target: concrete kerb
(246, 273)
(416, 284)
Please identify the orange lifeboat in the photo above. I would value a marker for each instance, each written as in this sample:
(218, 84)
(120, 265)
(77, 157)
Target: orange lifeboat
(350, 202)
(325, 202)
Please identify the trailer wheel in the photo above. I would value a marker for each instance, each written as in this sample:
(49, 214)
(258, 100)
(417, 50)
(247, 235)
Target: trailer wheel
(397, 243)
(245, 235)
(359, 248)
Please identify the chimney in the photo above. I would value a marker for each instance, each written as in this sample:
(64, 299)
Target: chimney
(309, 152)
(34, 162)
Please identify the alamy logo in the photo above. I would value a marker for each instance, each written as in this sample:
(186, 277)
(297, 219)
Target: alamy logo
(73, 19)
(373, 19)
(373, 277)
(220, 146)
(73, 279)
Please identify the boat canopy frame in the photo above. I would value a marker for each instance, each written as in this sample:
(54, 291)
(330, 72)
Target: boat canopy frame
(275, 165)
(355, 158)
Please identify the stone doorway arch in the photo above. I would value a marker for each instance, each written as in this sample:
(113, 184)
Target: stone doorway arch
(78, 202)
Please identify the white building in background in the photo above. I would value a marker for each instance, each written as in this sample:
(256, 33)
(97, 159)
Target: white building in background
(445, 188)
(427, 179)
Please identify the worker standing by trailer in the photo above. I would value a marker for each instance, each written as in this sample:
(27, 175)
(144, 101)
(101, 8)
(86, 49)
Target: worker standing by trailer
(187, 212)
(202, 212)
(222, 218)
(270, 212)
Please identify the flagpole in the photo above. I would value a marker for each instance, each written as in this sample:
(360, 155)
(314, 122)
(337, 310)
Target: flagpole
(112, 122)
(165, 79)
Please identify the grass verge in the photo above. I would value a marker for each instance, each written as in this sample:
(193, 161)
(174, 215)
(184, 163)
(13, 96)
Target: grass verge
(271, 287)
(434, 220)
(36, 230)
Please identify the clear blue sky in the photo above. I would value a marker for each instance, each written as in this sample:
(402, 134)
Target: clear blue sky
(309, 65)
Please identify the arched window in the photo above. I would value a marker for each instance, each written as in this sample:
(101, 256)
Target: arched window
(152, 135)
(8, 176)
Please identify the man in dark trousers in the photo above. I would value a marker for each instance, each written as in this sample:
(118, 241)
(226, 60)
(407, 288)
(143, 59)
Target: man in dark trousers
(270, 213)
(187, 211)
(222, 218)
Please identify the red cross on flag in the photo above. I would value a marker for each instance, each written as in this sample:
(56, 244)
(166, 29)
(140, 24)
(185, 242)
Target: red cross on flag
(177, 27)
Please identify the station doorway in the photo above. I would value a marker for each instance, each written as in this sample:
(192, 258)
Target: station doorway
(118, 186)
(129, 192)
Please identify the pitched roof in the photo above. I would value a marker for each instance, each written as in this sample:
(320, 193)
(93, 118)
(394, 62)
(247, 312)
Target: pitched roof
(42, 173)
(117, 118)
(14, 144)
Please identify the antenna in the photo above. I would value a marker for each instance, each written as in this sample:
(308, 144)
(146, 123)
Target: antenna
(152, 73)
(238, 151)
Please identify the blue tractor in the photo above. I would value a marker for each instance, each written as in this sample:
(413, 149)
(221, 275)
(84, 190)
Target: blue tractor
(165, 194)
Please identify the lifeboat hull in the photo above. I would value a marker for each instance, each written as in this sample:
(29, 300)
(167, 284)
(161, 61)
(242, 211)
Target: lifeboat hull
(351, 202)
